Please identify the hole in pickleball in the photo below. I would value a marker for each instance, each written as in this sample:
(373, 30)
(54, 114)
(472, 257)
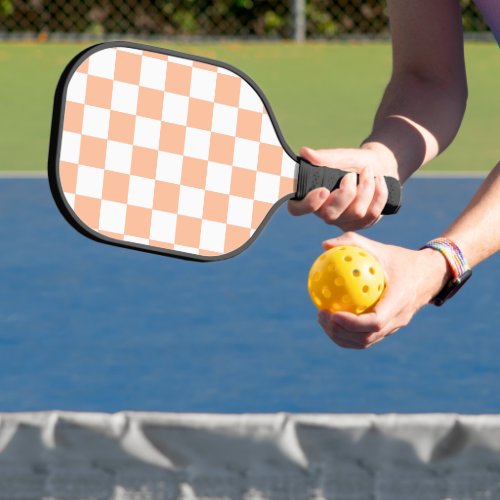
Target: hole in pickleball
(366, 289)
(339, 281)
(346, 299)
(327, 293)
(336, 306)
(348, 258)
(330, 268)
(356, 273)
(379, 287)
(317, 276)
(360, 309)
(372, 270)
(362, 254)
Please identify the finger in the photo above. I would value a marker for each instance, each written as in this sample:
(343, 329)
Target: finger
(365, 191)
(338, 334)
(380, 195)
(348, 238)
(311, 203)
(338, 201)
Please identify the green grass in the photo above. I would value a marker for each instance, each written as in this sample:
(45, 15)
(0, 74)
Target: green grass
(323, 94)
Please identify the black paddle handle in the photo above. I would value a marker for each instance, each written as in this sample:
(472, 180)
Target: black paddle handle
(311, 177)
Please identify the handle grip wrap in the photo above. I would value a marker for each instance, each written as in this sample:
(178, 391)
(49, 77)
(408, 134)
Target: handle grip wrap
(312, 177)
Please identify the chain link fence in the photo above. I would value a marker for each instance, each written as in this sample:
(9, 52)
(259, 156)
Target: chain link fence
(284, 19)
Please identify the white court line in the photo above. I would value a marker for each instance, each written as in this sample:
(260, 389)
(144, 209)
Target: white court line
(455, 174)
(23, 175)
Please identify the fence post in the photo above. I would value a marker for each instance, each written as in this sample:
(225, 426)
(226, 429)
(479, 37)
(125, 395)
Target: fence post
(299, 20)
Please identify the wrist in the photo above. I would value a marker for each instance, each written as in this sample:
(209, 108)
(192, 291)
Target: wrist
(437, 272)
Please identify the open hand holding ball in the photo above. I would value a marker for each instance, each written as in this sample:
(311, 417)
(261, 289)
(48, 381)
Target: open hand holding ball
(346, 278)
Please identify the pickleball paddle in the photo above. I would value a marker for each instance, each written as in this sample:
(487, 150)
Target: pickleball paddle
(170, 153)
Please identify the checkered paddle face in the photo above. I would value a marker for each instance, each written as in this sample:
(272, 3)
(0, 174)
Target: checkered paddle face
(169, 152)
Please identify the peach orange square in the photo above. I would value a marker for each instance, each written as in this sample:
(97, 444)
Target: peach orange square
(73, 117)
(249, 125)
(215, 206)
(221, 148)
(109, 234)
(127, 67)
(270, 158)
(227, 90)
(138, 221)
(93, 151)
(287, 186)
(150, 103)
(67, 176)
(166, 197)
(187, 232)
(243, 182)
(235, 237)
(194, 172)
(172, 138)
(260, 211)
(115, 187)
(84, 67)
(200, 114)
(88, 209)
(144, 162)
(99, 92)
(205, 66)
(178, 79)
(161, 244)
(121, 127)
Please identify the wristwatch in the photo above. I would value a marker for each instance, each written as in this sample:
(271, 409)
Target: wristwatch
(460, 270)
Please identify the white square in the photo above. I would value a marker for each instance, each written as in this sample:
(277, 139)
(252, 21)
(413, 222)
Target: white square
(188, 250)
(118, 157)
(89, 181)
(136, 239)
(180, 60)
(289, 167)
(169, 167)
(147, 132)
(102, 63)
(213, 235)
(267, 133)
(197, 143)
(249, 99)
(224, 119)
(191, 201)
(246, 154)
(203, 84)
(267, 187)
(224, 71)
(218, 178)
(95, 122)
(163, 226)
(70, 147)
(240, 211)
(141, 191)
(124, 97)
(112, 217)
(77, 87)
(70, 198)
(153, 73)
(175, 108)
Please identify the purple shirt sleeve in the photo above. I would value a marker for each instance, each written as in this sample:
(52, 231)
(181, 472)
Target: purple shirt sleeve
(490, 9)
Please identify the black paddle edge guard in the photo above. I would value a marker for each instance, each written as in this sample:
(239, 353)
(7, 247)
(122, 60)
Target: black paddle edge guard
(312, 177)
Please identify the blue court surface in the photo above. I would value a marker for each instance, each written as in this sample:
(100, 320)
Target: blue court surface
(91, 327)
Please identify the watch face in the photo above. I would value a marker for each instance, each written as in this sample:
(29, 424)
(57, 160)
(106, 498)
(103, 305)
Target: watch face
(451, 288)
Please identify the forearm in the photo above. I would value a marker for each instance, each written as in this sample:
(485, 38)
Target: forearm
(424, 103)
(477, 230)
(416, 120)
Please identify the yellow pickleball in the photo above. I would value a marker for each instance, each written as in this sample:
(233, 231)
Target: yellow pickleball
(346, 278)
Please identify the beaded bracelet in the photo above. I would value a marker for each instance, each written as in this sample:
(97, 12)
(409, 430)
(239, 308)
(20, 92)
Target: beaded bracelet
(460, 269)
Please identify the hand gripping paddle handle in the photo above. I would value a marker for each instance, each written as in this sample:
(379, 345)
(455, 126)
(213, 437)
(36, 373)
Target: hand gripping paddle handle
(311, 177)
